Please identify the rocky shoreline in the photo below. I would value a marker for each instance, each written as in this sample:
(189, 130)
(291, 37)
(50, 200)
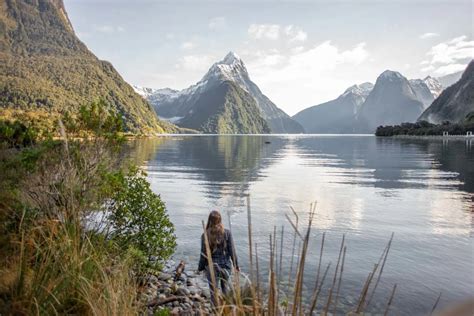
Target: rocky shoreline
(181, 292)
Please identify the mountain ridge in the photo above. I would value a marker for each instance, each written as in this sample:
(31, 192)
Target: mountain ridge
(455, 102)
(230, 68)
(45, 67)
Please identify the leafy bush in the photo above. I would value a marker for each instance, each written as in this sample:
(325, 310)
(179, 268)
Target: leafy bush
(139, 220)
(16, 134)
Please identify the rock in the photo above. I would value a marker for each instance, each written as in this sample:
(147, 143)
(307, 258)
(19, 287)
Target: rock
(194, 290)
(182, 291)
(165, 276)
(161, 296)
(206, 293)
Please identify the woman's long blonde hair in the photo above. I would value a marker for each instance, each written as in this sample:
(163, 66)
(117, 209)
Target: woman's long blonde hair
(215, 230)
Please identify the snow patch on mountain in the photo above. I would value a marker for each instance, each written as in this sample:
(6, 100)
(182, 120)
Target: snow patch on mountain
(143, 91)
(434, 85)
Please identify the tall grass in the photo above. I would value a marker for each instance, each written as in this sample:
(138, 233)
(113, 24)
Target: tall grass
(50, 263)
(274, 298)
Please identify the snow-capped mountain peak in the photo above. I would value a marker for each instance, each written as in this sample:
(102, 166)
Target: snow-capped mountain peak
(143, 91)
(434, 85)
(231, 58)
(230, 68)
(362, 89)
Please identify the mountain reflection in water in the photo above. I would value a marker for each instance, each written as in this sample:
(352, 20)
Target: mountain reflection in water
(366, 187)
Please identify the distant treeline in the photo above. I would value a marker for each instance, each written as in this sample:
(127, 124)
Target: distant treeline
(424, 128)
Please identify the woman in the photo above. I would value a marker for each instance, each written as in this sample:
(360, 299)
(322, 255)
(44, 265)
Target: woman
(222, 253)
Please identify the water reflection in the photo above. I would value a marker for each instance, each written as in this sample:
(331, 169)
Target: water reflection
(366, 187)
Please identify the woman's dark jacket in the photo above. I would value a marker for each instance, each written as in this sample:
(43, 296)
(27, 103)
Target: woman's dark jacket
(222, 255)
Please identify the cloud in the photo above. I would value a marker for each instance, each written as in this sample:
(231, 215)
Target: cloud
(449, 56)
(195, 62)
(217, 23)
(310, 73)
(449, 69)
(295, 33)
(109, 28)
(188, 45)
(428, 35)
(290, 33)
(169, 36)
(264, 31)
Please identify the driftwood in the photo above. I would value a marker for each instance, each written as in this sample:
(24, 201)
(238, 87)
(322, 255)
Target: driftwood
(179, 270)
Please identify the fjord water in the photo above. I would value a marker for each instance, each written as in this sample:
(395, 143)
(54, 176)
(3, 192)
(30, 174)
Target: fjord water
(366, 187)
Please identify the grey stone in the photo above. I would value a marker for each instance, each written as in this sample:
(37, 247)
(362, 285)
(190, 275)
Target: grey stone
(194, 290)
(161, 296)
(182, 291)
(165, 276)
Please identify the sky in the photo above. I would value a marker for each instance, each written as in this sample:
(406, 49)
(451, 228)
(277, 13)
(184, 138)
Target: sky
(300, 53)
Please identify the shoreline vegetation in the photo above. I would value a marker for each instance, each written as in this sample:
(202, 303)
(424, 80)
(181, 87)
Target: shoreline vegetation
(83, 233)
(424, 128)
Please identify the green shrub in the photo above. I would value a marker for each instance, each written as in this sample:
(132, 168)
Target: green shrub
(140, 224)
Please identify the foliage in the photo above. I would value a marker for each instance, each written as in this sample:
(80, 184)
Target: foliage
(44, 66)
(16, 134)
(139, 220)
(52, 261)
(424, 128)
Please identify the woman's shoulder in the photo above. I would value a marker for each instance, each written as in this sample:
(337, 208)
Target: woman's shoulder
(227, 232)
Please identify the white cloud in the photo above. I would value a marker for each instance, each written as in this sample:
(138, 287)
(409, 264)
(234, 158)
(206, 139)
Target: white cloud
(188, 45)
(295, 33)
(169, 36)
(428, 35)
(449, 56)
(267, 31)
(109, 28)
(310, 74)
(291, 33)
(449, 69)
(195, 62)
(217, 23)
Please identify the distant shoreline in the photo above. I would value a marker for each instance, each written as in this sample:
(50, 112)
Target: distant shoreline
(449, 137)
(269, 135)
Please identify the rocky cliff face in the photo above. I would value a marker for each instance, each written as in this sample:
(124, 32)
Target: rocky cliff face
(455, 102)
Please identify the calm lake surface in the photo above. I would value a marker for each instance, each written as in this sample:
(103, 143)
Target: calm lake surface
(366, 187)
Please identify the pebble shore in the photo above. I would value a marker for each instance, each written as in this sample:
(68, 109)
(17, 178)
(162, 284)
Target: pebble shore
(187, 294)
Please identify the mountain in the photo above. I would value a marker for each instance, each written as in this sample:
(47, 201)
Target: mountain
(423, 92)
(450, 79)
(226, 109)
(44, 67)
(391, 101)
(179, 105)
(455, 102)
(434, 85)
(336, 116)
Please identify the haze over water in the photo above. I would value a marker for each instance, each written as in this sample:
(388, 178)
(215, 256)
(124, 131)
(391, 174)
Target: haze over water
(366, 187)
